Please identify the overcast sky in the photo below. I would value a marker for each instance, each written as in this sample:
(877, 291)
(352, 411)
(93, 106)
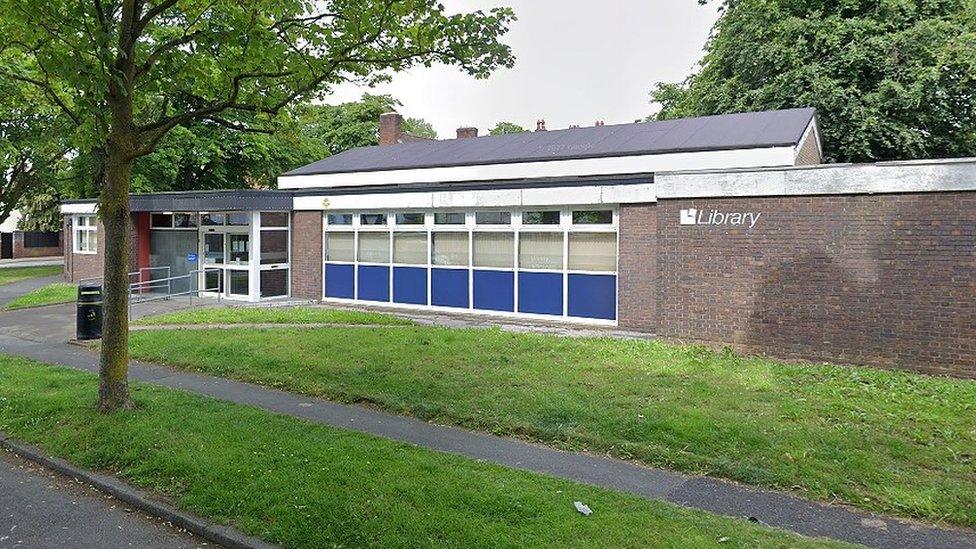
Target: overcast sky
(577, 61)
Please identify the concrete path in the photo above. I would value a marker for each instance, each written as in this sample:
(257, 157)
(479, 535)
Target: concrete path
(770, 507)
(42, 509)
(32, 261)
(14, 289)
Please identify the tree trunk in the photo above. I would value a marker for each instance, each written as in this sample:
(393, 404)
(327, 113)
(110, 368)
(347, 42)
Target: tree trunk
(113, 385)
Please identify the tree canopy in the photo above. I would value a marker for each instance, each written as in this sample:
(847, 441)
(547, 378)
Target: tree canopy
(890, 80)
(502, 128)
(127, 73)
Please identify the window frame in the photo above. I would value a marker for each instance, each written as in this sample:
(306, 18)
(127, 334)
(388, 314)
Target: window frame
(90, 227)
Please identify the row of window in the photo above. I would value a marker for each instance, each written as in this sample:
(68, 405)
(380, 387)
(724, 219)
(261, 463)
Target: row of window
(483, 218)
(535, 250)
(183, 220)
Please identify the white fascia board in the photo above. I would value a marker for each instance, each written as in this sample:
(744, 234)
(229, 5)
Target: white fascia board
(590, 194)
(823, 180)
(811, 128)
(704, 160)
(78, 208)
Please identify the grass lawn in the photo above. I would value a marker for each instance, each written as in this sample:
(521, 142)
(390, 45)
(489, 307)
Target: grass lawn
(276, 315)
(887, 441)
(59, 292)
(305, 485)
(16, 274)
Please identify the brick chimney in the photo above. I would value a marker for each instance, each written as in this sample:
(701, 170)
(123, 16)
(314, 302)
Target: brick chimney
(540, 125)
(598, 123)
(391, 127)
(467, 132)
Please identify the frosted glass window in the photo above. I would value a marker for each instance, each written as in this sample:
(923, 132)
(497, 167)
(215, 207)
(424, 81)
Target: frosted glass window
(592, 252)
(340, 247)
(410, 248)
(494, 250)
(450, 249)
(374, 247)
(541, 251)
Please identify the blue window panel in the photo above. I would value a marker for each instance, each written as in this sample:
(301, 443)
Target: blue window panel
(541, 293)
(374, 283)
(593, 296)
(410, 285)
(494, 290)
(449, 287)
(339, 281)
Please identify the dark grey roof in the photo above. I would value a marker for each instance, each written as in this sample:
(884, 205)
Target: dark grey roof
(727, 131)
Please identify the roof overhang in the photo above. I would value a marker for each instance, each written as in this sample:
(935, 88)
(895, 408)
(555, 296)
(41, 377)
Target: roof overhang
(196, 201)
(589, 167)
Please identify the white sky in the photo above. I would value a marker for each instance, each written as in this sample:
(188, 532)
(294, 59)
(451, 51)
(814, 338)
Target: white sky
(577, 61)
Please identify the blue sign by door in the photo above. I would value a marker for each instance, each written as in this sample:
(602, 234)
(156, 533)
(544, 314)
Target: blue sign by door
(191, 257)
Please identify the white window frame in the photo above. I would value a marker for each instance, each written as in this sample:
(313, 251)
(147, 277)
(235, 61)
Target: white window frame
(91, 226)
(565, 226)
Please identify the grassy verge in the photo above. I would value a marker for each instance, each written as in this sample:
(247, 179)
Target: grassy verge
(59, 292)
(273, 315)
(9, 275)
(304, 485)
(887, 441)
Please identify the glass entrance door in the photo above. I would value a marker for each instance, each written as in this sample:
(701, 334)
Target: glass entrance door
(226, 253)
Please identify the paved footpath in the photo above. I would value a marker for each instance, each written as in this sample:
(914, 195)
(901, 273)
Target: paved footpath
(726, 498)
(41, 509)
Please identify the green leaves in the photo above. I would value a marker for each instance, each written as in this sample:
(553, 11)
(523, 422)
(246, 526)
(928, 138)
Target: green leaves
(894, 80)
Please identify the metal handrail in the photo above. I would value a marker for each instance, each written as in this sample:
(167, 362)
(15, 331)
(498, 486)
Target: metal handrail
(129, 275)
(169, 291)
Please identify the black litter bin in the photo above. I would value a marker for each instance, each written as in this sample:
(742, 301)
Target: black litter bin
(89, 324)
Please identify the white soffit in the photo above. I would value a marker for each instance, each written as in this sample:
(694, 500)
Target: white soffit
(704, 160)
(590, 194)
(78, 208)
(825, 179)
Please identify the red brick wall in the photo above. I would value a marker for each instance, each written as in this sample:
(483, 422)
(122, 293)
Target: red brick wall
(887, 280)
(306, 255)
(79, 266)
(637, 279)
(20, 251)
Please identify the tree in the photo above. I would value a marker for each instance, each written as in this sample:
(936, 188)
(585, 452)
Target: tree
(419, 127)
(890, 80)
(31, 146)
(503, 128)
(131, 71)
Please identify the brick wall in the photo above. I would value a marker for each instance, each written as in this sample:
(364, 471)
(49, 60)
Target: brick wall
(19, 250)
(637, 279)
(306, 255)
(79, 266)
(888, 280)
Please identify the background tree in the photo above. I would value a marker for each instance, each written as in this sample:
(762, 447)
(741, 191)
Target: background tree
(891, 80)
(502, 128)
(134, 70)
(419, 127)
(32, 148)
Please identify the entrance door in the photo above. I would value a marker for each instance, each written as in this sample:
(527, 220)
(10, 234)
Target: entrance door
(226, 255)
(6, 245)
